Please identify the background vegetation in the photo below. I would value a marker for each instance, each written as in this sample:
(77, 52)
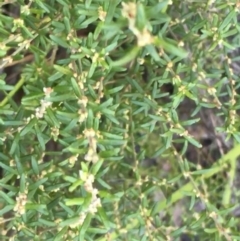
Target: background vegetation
(119, 120)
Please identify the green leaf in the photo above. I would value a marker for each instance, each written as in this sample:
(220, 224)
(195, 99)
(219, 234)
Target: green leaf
(111, 135)
(53, 118)
(169, 47)
(97, 231)
(37, 184)
(141, 19)
(15, 144)
(193, 197)
(6, 198)
(53, 203)
(67, 24)
(227, 45)
(22, 183)
(63, 70)
(115, 90)
(59, 98)
(40, 137)
(104, 184)
(210, 230)
(43, 6)
(34, 165)
(64, 2)
(75, 185)
(203, 171)
(8, 168)
(179, 231)
(6, 209)
(63, 231)
(88, 3)
(112, 142)
(19, 165)
(110, 117)
(84, 227)
(190, 122)
(89, 21)
(8, 187)
(47, 223)
(55, 76)
(193, 141)
(31, 100)
(90, 119)
(96, 167)
(136, 85)
(98, 30)
(163, 5)
(14, 123)
(70, 179)
(28, 127)
(111, 11)
(108, 154)
(227, 20)
(92, 92)
(104, 218)
(131, 55)
(42, 208)
(92, 69)
(76, 88)
(59, 41)
(152, 51)
(74, 201)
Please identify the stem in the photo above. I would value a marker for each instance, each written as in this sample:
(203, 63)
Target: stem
(229, 185)
(13, 92)
(180, 193)
(231, 156)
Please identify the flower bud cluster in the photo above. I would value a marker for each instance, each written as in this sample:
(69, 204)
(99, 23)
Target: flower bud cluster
(83, 113)
(91, 155)
(40, 111)
(101, 14)
(21, 201)
(95, 201)
(129, 11)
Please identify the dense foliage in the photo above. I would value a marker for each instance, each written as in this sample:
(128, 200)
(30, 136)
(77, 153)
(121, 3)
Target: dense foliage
(119, 120)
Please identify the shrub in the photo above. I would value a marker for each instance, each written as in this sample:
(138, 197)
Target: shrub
(119, 120)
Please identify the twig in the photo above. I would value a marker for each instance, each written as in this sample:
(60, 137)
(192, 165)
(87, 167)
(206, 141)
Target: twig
(12, 93)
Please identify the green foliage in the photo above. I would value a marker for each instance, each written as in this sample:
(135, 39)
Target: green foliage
(89, 107)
